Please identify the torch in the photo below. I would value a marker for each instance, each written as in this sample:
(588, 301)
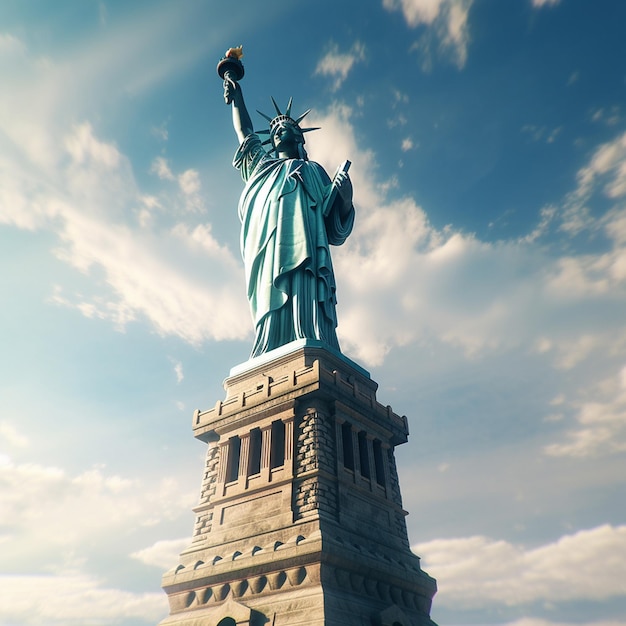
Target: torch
(230, 67)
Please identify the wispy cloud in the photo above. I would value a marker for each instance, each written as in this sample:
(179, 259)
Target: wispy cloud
(448, 27)
(178, 370)
(541, 133)
(599, 419)
(12, 436)
(611, 116)
(161, 168)
(337, 65)
(608, 165)
(544, 3)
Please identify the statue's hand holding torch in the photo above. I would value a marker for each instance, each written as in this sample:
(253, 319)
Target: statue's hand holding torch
(231, 70)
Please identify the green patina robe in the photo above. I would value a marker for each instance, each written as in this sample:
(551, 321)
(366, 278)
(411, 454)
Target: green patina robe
(284, 244)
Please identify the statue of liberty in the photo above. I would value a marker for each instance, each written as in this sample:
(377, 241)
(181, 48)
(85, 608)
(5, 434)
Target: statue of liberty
(290, 212)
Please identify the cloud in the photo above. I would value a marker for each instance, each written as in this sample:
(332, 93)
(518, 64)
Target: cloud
(188, 182)
(11, 46)
(162, 554)
(607, 167)
(338, 64)
(134, 265)
(544, 3)
(407, 144)
(178, 370)
(161, 168)
(74, 600)
(473, 571)
(600, 419)
(539, 133)
(47, 513)
(448, 23)
(11, 436)
(145, 276)
(160, 131)
(611, 116)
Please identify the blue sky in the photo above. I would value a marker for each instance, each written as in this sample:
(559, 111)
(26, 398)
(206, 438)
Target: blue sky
(484, 285)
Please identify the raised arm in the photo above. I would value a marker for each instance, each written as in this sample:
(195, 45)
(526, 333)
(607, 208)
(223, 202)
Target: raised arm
(241, 118)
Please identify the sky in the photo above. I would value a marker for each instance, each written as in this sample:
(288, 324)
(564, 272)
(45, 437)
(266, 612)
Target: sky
(483, 286)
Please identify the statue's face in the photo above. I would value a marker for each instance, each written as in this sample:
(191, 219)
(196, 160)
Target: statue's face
(286, 138)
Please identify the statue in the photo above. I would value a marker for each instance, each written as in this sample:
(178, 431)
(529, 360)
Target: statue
(290, 212)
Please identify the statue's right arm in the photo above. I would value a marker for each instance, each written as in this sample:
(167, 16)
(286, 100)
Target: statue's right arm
(241, 118)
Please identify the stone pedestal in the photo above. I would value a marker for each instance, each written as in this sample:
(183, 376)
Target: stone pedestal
(300, 518)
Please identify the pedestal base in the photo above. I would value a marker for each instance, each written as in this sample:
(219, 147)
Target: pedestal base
(300, 519)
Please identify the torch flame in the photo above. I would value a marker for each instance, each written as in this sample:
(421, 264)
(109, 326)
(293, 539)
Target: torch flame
(234, 53)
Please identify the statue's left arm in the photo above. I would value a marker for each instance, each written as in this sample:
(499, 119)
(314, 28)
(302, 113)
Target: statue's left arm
(343, 201)
(340, 216)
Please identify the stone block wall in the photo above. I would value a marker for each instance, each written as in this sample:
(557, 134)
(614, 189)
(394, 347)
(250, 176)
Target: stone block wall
(208, 488)
(394, 484)
(315, 464)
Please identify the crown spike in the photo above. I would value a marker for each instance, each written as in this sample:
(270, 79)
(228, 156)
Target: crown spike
(265, 131)
(288, 111)
(303, 116)
(267, 117)
(308, 130)
(278, 111)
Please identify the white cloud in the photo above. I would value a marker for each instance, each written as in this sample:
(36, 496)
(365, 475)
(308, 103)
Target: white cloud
(11, 436)
(600, 421)
(473, 571)
(161, 168)
(610, 116)
(83, 146)
(162, 554)
(178, 370)
(608, 164)
(338, 64)
(448, 20)
(74, 600)
(542, 3)
(87, 206)
(407, 144)
(47, 513)
(189, 182)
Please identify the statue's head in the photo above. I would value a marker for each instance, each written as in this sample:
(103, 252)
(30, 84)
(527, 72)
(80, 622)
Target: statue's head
(285, 130)
(286, 135)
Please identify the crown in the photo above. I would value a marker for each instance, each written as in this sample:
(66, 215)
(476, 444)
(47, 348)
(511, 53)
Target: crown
(283, 118)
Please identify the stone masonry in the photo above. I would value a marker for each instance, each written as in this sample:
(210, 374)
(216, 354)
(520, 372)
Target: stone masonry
(300, 517)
